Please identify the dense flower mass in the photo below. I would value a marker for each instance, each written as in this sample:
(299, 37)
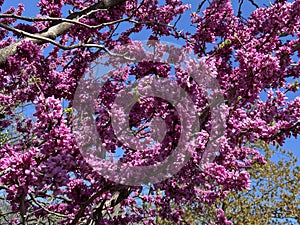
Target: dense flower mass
(43, 173)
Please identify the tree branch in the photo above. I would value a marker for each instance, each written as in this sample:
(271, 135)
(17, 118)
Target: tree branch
(60, 20)
(89, 201)
(56, 30)
(47, 210)
(38, 38)
(119, 194)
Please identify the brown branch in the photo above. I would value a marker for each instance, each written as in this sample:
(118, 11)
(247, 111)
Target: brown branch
(22, 208)
(285, 131)
(60, 20)
(89, 201)
(119, 194)
(3, 187)
(254, 4)
(38, 37)
(47, 210)
(5, 171)
(200, 6)
(56, 30)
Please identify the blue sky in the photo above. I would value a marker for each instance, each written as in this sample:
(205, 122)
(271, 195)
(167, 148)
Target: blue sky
(291, 144)
(31, 10)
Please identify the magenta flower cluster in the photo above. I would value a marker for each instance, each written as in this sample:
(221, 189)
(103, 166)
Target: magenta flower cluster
(42, 169)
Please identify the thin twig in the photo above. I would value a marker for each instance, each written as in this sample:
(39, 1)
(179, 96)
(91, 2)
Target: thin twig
(64, 47)
(253, 3)
(47, 210)
(56, 30)
(58, 19)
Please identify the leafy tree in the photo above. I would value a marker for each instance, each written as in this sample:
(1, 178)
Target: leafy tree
(274, 197)
(5, 212)
(46, 60)
(275, 192)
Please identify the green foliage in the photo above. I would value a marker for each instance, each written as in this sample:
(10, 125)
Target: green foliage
(275, 194)
(3, 138)
(5, 212)
(274, 197)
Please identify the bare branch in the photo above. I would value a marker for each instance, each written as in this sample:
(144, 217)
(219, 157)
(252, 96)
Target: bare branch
(200, 6)
(5, 171)
(89, 201)
(56, 30)
(285, 130)
(119, 194)
(240, 8)
(60, 20)
(47, 210)
(3, 187)
(49, 40)
(254, 4)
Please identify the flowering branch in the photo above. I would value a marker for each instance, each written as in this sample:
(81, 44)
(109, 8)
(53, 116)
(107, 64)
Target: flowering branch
(51, 33)
(44, 208)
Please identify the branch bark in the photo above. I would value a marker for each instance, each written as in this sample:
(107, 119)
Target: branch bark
(57, 29)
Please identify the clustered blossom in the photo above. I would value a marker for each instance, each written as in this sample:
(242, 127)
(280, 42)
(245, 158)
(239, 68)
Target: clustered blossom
(42, 170)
